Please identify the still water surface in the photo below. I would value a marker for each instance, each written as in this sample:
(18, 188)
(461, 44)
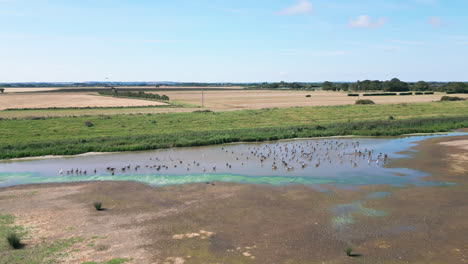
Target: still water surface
(344, 162)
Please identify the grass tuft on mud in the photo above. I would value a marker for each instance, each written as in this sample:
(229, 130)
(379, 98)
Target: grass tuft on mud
(43, 252)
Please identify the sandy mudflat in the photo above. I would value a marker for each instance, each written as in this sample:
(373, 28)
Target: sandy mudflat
(461, 144)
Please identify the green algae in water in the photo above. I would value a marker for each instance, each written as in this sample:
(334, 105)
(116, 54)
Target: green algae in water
(341, 221)
(378, 195)
(344, 213)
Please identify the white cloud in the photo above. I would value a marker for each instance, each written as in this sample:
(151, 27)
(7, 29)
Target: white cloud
(301, 7)
(434, 21)
(365, 21)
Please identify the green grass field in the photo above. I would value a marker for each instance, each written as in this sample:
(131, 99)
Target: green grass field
(73, 135)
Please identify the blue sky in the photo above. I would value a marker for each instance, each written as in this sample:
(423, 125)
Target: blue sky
(233, 41)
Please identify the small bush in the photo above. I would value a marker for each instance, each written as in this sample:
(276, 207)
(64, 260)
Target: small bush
(349, 251)
(98, 206)
(14, 240)
(203, 111)
(451, 98)
(428, 92)
(379, 94)
(391, 118)
(418, 93)
(353, 94)
(308, 95)
(408, 93)
(364, 102)
(88, 123)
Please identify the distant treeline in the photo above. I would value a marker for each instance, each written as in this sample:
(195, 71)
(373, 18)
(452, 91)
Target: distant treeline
(395, 85)
(140, 94)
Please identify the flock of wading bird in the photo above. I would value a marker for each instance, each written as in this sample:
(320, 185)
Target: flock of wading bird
(280, 156)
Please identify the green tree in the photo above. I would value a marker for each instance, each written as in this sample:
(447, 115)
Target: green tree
(327, 86)
(421, 86)
(343, 87)
(2, 90)
(395, 85)
(456, 87)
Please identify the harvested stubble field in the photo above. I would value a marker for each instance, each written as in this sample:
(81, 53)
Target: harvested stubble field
(213, 100)
(67, 100)
(257, 99)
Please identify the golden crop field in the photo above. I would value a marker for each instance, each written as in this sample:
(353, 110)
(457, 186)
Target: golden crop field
(67, 100)
(258, 99)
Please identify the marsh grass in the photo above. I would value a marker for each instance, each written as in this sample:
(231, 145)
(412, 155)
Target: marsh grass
(68, 135)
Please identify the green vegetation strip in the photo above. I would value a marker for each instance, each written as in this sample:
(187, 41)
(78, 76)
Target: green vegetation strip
(74, 135)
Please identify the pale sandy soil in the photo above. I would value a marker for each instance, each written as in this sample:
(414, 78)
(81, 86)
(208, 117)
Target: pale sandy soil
(458, 160)
(62, 100)
(25, 90)
(255, 99)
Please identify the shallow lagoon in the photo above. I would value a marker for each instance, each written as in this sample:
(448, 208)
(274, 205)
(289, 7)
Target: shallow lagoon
(309, 162)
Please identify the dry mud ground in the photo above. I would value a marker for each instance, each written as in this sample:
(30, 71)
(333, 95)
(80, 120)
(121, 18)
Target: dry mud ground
(236, 223)
(64, 100)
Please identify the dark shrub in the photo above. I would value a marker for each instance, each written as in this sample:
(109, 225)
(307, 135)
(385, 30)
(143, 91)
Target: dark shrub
(88, 123)
(308, 95)
(364, 102)
(353, 94)
(98, 206)
(408, 93)
(379, 94)
(14, 240)
(451, 98)
(418, 93)
(428, 92)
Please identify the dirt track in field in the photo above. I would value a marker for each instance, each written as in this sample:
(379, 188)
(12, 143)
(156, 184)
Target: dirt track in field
(64, 100)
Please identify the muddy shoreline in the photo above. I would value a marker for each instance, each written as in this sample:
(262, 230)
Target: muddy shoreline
(241, 223)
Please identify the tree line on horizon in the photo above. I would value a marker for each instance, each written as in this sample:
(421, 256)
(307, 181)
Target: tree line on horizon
(393, 85)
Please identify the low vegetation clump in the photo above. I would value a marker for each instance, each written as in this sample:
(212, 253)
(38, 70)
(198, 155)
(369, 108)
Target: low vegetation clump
(353, 94)
(140, 94)
(452, 98)
(88, 123)
(364, 102)
(14, 240)
(408, 93)
(379, 94)
(428, 92)
(203, 111)
(308, 95)
(418, 93)
(349, 251)
(98, 206)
